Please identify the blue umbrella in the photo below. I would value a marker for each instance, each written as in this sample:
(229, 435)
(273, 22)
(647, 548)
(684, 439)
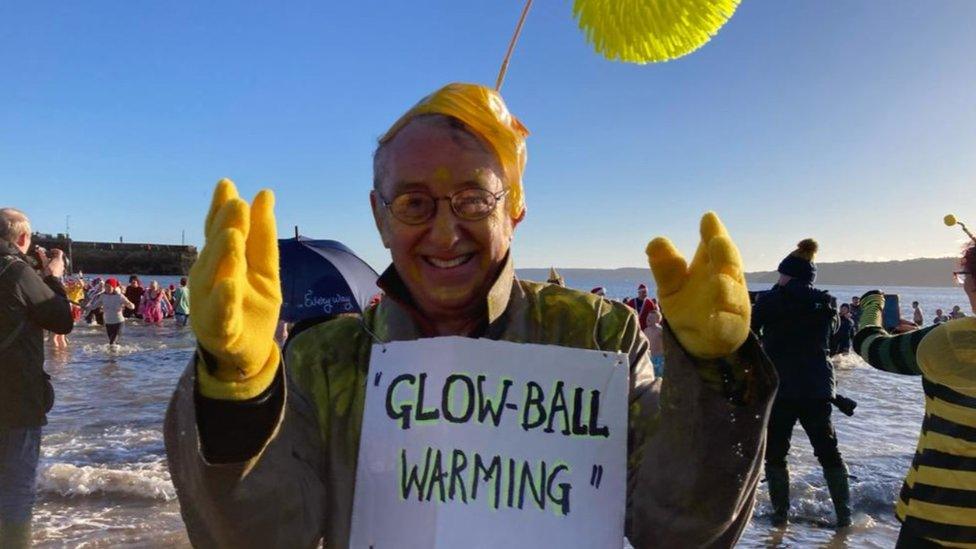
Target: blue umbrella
(322, 278)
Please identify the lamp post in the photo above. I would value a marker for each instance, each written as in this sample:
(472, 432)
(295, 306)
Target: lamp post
(67, 234)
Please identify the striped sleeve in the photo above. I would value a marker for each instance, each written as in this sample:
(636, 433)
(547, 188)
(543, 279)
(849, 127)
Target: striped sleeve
(891, 353)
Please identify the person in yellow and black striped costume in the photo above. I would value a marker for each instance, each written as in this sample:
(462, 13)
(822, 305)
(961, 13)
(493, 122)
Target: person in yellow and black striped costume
(937, 503)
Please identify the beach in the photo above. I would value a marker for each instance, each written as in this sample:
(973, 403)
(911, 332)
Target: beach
(103, 479)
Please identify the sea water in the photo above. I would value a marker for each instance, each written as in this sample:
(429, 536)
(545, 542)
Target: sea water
(103, 480)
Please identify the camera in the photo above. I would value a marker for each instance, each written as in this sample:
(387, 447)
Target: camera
(36, 257)
(844, 404)
(39, 256)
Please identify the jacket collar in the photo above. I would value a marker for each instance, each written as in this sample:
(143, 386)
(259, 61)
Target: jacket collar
(794, 285)
(8, 248)
(403, 320)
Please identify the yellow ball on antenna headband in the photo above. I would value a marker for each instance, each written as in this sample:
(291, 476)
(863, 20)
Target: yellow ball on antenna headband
(483, 110)
(650, 31)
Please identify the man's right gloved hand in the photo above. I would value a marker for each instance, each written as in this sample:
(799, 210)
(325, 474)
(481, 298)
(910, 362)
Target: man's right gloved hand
(705, 303)
(235, 296)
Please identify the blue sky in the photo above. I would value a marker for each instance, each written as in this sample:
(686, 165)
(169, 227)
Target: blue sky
(851, 122)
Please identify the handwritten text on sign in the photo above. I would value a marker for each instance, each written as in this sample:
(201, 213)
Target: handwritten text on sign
(477, 443)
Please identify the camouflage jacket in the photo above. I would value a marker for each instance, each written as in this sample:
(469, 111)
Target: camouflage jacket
(694, 448)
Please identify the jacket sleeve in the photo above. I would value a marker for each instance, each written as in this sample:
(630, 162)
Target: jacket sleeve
(95, 303)
(45, 299)
(758, 316)
(273, 495)
(696, 450)
(834, 320)
(886, 352)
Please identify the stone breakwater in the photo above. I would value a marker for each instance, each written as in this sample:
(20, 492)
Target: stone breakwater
(118, 257)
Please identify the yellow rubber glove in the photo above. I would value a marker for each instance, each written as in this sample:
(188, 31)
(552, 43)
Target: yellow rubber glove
(235, 296)
(706, 304)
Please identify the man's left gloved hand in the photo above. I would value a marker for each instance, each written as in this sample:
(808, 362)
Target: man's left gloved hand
(706, 303)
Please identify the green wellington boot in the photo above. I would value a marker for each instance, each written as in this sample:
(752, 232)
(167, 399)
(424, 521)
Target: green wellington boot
(15, 535)
(778, 481)
(840, 493)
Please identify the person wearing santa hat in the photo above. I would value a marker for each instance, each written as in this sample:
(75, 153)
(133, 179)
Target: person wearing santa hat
(642, 304)
(113, 302)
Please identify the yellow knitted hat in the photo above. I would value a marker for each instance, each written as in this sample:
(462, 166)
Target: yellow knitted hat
(483, 110)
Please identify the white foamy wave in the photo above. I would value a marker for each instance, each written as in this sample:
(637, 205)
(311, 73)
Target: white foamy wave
(118, 439)
(810, 498)
(876, 495)
(849, 361)
(119, 349)
(150, 480)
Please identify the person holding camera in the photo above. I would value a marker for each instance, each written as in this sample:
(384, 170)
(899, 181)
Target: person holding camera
(795, 322)
(32, 299)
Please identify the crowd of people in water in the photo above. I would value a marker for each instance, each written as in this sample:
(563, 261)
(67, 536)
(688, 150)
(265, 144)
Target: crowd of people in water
(105, 302)
(841, 340)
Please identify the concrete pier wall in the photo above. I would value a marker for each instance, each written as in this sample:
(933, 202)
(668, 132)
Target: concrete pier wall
(122, 258)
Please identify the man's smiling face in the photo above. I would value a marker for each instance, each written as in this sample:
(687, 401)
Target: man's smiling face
(447, 263)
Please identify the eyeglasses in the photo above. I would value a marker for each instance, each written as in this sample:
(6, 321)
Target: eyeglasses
(414, 208)
(960, 276)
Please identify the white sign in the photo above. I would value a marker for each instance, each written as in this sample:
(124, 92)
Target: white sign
(479, 443)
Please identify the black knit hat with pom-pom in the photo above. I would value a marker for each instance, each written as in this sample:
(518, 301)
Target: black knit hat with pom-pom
(799, 264)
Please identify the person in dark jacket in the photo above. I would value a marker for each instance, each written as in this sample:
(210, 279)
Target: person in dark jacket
(30, 302)
(795, 322)
(133, 292)
(856, 309)
(844, 336)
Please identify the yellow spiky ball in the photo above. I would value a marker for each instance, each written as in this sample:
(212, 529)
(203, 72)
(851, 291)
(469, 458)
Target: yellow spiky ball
(949, 220)
(650, 31)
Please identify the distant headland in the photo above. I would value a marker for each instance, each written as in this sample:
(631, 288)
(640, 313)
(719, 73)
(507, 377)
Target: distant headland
(933, 272)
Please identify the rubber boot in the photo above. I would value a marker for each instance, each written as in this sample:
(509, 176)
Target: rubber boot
(15, 535)
(840, 493)
(778, 481)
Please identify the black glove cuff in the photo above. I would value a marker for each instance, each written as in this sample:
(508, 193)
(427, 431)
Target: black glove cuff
(234, 431)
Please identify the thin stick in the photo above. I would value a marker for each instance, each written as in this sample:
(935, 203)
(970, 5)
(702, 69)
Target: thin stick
(511, 46)
(966, 231)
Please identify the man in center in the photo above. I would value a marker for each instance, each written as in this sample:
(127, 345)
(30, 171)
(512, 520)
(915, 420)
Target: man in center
(263, 448)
